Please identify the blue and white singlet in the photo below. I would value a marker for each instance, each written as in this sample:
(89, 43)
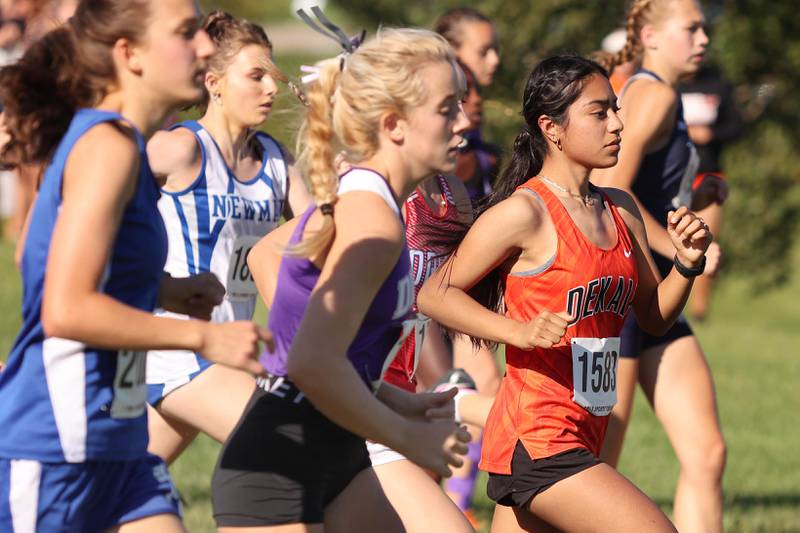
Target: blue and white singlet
(63, 401)
(211, 227)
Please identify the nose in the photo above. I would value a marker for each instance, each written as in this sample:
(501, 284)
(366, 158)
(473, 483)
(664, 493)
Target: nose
(204, 47)
(615, 124)
(462, 122)
(270, 86)
(493, 58)
(704, 39)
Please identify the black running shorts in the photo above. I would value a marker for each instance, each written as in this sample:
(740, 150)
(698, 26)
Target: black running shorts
(284, 462)
(530, 477)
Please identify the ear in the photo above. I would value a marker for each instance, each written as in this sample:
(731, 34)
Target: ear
(648, 37)
(552, 131)
(212, 83)
(394, 127)
(127, 56)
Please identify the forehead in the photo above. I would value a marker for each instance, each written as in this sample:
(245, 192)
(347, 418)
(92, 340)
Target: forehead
(252, 55)
(168, 14)
(476, 32)
(596, 87)
(683, 11)
(440, 79)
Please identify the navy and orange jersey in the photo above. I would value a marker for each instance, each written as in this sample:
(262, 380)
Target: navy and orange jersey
(425, 259)
(535, 403)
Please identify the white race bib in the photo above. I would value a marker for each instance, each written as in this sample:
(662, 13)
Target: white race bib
(594, 373)
(240, 281)
(130, 389)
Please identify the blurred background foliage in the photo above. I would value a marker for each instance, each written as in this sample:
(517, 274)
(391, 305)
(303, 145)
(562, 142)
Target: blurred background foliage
(755, 43)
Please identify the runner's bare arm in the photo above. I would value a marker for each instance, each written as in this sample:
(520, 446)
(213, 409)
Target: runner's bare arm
(503, 231)
(642, 134)
(658, 303)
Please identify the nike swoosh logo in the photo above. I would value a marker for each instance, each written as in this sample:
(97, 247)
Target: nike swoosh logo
(626, 252)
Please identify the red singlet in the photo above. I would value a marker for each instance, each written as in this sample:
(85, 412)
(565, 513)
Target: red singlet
(536, 403)
(424, 262)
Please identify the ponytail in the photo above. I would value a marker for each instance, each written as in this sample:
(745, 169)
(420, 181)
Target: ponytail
(640, 13)
(67, 69)
(318, 156)
(40, 94)
(346, 103)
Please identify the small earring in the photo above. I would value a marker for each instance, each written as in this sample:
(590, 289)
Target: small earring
(558, 145)
(216, 97)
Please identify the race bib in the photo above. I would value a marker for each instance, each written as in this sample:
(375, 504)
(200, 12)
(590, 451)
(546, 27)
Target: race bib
(240, 281)
(130, 390)
(594, 373)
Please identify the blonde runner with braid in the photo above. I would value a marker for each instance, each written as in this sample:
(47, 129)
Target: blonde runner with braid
(658, 165)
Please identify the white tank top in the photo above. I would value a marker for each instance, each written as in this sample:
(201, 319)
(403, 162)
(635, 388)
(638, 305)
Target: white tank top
(213, 224)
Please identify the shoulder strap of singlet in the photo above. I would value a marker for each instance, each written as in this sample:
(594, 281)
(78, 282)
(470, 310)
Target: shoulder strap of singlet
(622, 229)
(83, 121)
(447, 192)
(271, 150)
(195, 128)
(640, 75)
(362, 179)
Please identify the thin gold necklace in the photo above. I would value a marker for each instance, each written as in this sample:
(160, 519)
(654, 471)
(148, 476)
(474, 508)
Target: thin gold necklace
(588, 199)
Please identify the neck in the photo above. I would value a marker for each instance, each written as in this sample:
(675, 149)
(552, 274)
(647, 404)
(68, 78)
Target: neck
(230, 136)
(654, 64)
(146, 116)
(390, 166)
(573, 177)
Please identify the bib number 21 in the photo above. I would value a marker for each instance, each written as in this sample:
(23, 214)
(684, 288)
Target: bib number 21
(130, 389)
(594, 373)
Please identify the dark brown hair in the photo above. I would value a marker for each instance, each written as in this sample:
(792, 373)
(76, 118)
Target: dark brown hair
(69, 68)
(450, 24)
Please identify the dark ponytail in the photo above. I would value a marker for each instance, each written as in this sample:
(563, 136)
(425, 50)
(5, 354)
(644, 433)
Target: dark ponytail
(552, 87)
(67, 69)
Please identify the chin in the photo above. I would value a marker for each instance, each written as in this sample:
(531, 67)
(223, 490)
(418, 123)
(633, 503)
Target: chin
(607, 162)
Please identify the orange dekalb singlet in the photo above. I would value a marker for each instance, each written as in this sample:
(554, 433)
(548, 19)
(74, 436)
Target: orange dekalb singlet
(558, 399)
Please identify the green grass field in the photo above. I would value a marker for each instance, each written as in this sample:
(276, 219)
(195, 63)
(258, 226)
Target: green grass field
(750, 341)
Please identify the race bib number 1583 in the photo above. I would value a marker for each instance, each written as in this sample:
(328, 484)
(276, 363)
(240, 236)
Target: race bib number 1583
(594, 373)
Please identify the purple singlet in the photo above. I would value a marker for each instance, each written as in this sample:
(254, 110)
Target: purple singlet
(383, 324)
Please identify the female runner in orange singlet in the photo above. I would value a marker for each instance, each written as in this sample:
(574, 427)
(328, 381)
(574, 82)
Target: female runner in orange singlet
(550, 269)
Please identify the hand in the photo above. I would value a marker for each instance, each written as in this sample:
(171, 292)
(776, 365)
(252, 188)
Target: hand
(701, 135)
(689, 235)
(714, 258)
(433, 405)
(196, 296)
(235, 344)
(544, 331)
(1, 366)
(435, 446)
(712, 190)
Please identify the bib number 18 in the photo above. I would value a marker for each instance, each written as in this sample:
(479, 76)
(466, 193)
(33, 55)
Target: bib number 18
(594, 373)
(241, 285)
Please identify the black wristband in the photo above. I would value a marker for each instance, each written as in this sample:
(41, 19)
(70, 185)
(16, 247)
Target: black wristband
(687, 272)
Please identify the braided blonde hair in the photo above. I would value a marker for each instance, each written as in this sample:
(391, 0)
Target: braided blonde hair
(640, 13)
(346, 104)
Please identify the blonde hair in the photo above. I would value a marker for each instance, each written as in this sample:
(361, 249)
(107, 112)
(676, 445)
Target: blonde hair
(347, 102)
(640, 13)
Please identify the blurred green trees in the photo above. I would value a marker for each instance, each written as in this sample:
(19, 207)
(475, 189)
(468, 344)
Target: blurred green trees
(757, 46)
